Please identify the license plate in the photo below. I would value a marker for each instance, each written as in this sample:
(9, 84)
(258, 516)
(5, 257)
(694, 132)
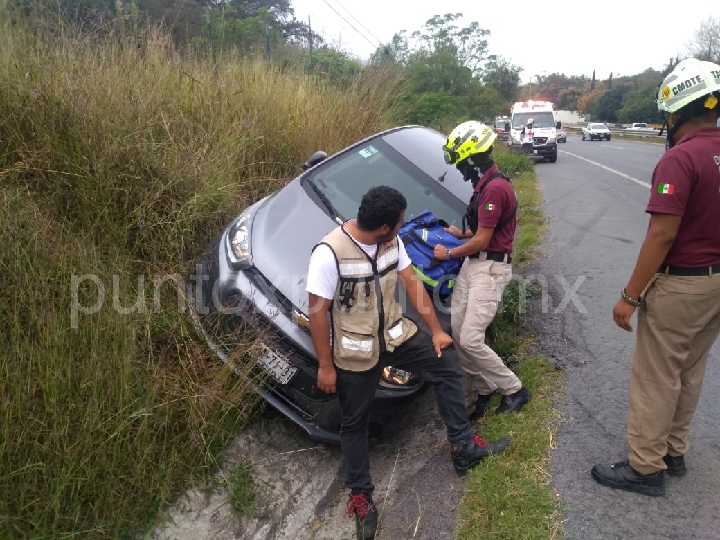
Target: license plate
(281, 370)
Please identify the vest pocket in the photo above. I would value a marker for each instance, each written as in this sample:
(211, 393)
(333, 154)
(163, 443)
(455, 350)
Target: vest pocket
(357, 343)
(395, 333)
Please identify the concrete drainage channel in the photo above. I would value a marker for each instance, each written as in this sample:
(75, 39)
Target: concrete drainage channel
(301, 491)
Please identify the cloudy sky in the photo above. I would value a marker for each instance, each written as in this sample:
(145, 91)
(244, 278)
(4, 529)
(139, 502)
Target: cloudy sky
(572, 37)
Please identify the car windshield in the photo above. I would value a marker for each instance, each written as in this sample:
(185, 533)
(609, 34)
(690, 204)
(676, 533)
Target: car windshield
(345, 179)
(540, 119)
(597, 126)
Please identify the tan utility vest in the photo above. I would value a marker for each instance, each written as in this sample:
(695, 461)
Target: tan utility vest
(366, 317)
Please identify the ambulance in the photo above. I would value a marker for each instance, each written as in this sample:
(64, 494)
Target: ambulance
(540, 141)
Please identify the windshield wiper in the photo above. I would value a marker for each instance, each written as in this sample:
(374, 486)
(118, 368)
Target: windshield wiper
(326, 202)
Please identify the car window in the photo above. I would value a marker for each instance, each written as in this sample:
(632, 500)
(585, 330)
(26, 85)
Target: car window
(346, 178)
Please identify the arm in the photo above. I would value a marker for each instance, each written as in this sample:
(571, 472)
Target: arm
(320, 332)
(322, 281)
(658, 241)
(478, 242)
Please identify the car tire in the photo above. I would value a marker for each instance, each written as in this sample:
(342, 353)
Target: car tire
(583, 137)
(608, 137)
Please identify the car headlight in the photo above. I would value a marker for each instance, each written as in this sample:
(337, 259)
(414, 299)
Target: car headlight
(238, 240)
(551, 139)
(397, 377)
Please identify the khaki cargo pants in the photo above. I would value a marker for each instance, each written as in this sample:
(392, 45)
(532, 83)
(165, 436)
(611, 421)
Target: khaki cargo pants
(477, 292)
(677, 325)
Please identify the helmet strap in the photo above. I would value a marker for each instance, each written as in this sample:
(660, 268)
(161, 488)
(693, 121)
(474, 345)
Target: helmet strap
(673, 130)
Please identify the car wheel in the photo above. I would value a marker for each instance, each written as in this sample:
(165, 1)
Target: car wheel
(608, 137)
(583, 137)
(553, 158)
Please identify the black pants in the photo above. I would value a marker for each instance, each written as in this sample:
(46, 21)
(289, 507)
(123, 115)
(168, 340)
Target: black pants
(356, 391)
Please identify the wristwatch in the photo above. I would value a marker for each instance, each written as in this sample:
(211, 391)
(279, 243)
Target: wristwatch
(447, 253)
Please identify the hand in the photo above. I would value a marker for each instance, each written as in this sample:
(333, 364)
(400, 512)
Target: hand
(452, 229)
(440, 252)
(440, 341)
(327, 377)
(622, 312)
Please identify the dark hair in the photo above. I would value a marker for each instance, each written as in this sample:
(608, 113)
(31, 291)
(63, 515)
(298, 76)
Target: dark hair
(381, 205)
(696, 108)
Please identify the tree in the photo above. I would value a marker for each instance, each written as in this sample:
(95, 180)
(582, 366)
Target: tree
(592, 84)
(503, 76)
(610, 81)
(706, 42)
(586, 102)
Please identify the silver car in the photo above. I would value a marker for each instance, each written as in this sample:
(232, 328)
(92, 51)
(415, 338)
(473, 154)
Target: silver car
(253, 274)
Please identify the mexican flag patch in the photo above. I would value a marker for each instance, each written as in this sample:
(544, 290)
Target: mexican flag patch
(489, 206)
(666, 189)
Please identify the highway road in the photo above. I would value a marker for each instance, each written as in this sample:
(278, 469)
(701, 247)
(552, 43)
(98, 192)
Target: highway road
(594, 198)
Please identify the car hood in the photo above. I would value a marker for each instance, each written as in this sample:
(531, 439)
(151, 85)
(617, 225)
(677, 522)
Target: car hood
(284, 231)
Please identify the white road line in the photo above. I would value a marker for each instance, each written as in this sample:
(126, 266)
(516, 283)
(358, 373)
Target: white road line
(640, 182)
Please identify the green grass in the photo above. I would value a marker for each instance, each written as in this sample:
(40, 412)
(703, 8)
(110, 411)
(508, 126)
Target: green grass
(121, 159)
(510, 496)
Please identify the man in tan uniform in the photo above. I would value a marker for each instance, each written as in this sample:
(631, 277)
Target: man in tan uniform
(678, 269)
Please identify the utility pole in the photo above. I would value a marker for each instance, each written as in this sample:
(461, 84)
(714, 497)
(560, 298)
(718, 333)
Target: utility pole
(267, 42)
(310, 41)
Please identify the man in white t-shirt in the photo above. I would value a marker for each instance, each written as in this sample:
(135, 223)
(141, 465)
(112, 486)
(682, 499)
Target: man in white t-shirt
(351, 283)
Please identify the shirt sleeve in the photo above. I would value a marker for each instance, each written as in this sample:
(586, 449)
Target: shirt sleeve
(403, 258)
(322, 278)
(672, 182)
(490, 206)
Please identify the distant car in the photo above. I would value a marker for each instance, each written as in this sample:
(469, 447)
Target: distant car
(640, 126)
(595, 131)
(561, 135)
(254, 272)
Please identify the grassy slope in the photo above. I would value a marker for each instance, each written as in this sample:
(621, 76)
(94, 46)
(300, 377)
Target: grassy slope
(120, 159)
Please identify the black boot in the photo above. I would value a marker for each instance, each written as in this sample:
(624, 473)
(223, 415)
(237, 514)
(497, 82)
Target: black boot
(622, 476)
(675, 465)
(514, 402)
(366, 516)
(468, 455)
(480, 404)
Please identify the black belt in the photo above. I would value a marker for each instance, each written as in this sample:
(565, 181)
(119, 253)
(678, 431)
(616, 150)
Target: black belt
(494, 256)
(686, 271)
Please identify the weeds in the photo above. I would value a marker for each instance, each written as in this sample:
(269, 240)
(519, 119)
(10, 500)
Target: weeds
(121, 159)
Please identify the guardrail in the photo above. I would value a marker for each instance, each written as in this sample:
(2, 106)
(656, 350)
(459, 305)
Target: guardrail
(619, 131)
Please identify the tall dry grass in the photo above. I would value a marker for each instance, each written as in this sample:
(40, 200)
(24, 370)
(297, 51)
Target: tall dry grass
(121, 159)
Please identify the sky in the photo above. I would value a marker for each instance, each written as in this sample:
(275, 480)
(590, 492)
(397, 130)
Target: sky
(622, 37)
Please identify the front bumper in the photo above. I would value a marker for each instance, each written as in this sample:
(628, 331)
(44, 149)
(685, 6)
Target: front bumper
(246, 300)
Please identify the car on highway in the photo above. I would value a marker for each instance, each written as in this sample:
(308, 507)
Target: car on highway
(561, 135)
(594, 131)
(252, 275)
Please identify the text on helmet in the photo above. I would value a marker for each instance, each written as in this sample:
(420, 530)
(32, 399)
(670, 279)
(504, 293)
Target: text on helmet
(689, 83)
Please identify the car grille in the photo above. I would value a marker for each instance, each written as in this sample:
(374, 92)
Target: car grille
(540, 140)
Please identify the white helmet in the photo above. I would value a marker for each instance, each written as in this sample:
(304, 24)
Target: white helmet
(691, 79)
(530, 121)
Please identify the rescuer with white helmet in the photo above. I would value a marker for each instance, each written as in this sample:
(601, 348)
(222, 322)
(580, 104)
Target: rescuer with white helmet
(675, 285)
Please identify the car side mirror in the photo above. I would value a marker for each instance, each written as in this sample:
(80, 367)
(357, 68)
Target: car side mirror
(313, 160)
(558, 125)
(507, 126)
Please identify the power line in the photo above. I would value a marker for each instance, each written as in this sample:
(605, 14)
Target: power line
(351, 26)
(357, 21)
